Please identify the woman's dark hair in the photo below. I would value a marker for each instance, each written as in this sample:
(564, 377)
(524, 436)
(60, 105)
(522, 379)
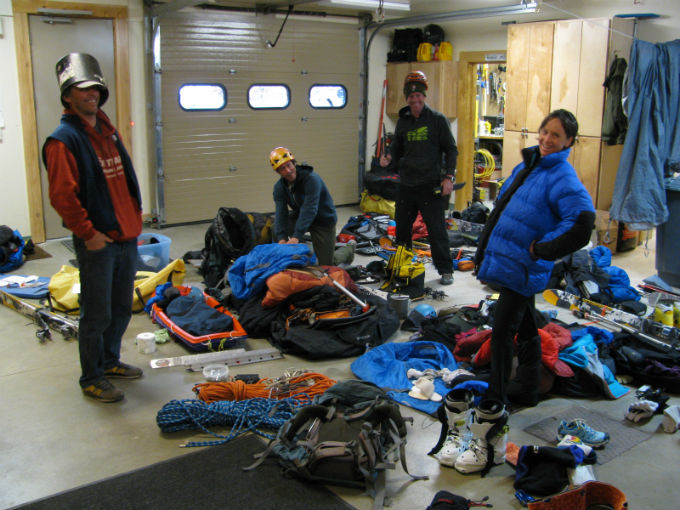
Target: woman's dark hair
(568, 121)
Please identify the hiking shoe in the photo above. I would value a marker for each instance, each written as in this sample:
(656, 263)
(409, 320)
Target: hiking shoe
(123, 371)
(103, 391)
(580, 429)
(446, 279)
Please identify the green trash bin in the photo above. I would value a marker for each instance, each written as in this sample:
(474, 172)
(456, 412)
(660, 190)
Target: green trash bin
(668, 237)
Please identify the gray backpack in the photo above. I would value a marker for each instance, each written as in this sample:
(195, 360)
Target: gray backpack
(351, 435)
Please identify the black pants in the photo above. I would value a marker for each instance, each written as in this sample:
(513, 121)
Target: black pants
(514, 314)
(432, 207)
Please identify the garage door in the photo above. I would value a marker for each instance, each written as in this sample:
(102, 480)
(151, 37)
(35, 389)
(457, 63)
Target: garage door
(215, 158)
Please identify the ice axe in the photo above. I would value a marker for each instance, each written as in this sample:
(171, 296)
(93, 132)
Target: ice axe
(364, 306)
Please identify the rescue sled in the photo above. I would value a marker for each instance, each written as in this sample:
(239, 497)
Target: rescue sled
(211, 342)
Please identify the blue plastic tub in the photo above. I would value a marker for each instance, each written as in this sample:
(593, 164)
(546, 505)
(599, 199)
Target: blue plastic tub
(151, 255)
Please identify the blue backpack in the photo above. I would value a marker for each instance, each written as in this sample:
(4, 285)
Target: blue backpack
(11, 249)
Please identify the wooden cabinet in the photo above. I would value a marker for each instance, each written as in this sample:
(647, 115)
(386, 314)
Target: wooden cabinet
(442, 79)
(562, 64)
(529, 61)
(579, 70)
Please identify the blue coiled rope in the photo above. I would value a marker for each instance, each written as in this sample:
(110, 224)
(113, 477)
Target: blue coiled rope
(251, 415)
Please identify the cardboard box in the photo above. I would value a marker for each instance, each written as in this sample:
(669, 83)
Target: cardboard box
(606, 230)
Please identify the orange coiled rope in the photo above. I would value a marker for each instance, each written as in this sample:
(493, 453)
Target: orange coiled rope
(300, 385)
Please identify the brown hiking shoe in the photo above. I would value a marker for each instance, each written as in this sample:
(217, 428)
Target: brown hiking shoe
(123, 371)
(103, 391)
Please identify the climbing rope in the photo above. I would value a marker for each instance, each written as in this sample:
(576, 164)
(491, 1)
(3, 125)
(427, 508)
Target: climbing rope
(297, 384)
(489, 164)
(254, 415)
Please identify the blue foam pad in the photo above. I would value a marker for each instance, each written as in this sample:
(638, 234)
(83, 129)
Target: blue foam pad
(38, 290)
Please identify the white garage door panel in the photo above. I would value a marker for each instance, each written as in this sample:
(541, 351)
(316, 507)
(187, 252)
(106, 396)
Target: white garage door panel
(214, 159)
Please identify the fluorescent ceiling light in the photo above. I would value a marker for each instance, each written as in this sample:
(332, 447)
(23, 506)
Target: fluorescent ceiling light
(374, 4)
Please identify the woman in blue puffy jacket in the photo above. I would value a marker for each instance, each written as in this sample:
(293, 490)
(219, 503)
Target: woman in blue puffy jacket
(542, 213)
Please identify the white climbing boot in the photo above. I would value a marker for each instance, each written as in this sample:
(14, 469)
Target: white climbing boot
(489, 428)
(458, 406)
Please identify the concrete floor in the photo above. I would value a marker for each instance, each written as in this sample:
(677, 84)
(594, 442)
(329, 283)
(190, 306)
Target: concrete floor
(54, 438)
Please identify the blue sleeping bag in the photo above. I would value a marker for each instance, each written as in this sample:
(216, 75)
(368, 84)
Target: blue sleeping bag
(386, 365)
(248, 274)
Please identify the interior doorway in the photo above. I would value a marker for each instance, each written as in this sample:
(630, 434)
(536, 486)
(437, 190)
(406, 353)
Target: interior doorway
(51, 39)
(468, 117)
(22, 9)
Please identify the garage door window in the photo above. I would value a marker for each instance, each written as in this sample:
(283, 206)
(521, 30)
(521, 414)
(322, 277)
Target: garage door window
(261, 96)
(202, 96)
(327, 96)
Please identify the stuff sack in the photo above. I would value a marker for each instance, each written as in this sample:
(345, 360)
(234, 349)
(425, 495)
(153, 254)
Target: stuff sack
(230, 235)
(293, 280)
(11, 249)
(349, 436)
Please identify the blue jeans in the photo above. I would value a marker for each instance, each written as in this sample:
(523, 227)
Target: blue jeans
(106, 285)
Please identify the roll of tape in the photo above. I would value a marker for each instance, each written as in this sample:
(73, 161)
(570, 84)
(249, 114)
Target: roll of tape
(146, 343)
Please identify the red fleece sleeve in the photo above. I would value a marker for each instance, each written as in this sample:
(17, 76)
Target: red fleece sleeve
(63, 176)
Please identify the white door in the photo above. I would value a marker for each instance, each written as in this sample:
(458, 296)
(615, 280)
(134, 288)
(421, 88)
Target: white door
(51, 39)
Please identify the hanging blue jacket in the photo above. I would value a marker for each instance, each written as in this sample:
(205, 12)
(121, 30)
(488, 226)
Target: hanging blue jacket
(550, 207)
(652, 146)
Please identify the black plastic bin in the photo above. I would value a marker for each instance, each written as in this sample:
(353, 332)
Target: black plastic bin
(668, 237)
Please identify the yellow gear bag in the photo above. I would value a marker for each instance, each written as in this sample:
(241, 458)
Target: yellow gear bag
(406, 274)
(64, 286)
(377, 204)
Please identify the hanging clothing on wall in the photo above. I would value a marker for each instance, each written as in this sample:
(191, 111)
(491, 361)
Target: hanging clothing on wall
(652, 145)
(614, 122)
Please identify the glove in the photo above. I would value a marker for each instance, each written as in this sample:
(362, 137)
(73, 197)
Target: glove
(641, 410)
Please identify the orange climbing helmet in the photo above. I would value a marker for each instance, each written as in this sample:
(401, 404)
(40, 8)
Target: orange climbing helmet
(415, 81)
(279, 156)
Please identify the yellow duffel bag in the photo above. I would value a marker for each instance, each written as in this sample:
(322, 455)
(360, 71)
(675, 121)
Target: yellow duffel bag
(64, 286)
(377, 204)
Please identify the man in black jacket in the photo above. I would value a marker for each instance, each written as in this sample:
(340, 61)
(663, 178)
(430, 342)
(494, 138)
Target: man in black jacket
(426, 154)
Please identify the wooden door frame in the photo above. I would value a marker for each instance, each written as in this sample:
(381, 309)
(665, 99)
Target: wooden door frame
(467, 91)
(21, 10)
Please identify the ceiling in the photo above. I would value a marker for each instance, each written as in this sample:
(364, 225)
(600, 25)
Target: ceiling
(418, 8)
(442, 12)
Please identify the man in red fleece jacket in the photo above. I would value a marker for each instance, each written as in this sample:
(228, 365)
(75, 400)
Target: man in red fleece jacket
(93, 187)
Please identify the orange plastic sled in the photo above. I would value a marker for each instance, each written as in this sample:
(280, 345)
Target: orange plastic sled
(212, 342)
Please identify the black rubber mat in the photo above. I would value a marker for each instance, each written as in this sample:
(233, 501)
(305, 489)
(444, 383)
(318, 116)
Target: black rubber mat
(211, 478)
(623, 433)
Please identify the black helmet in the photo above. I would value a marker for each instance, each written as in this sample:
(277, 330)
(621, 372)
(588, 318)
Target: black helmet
(81, 70)
(434, 34)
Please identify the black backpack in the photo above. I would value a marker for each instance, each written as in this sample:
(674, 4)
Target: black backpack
(230, 235)
(350, 436)
(405, 45)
